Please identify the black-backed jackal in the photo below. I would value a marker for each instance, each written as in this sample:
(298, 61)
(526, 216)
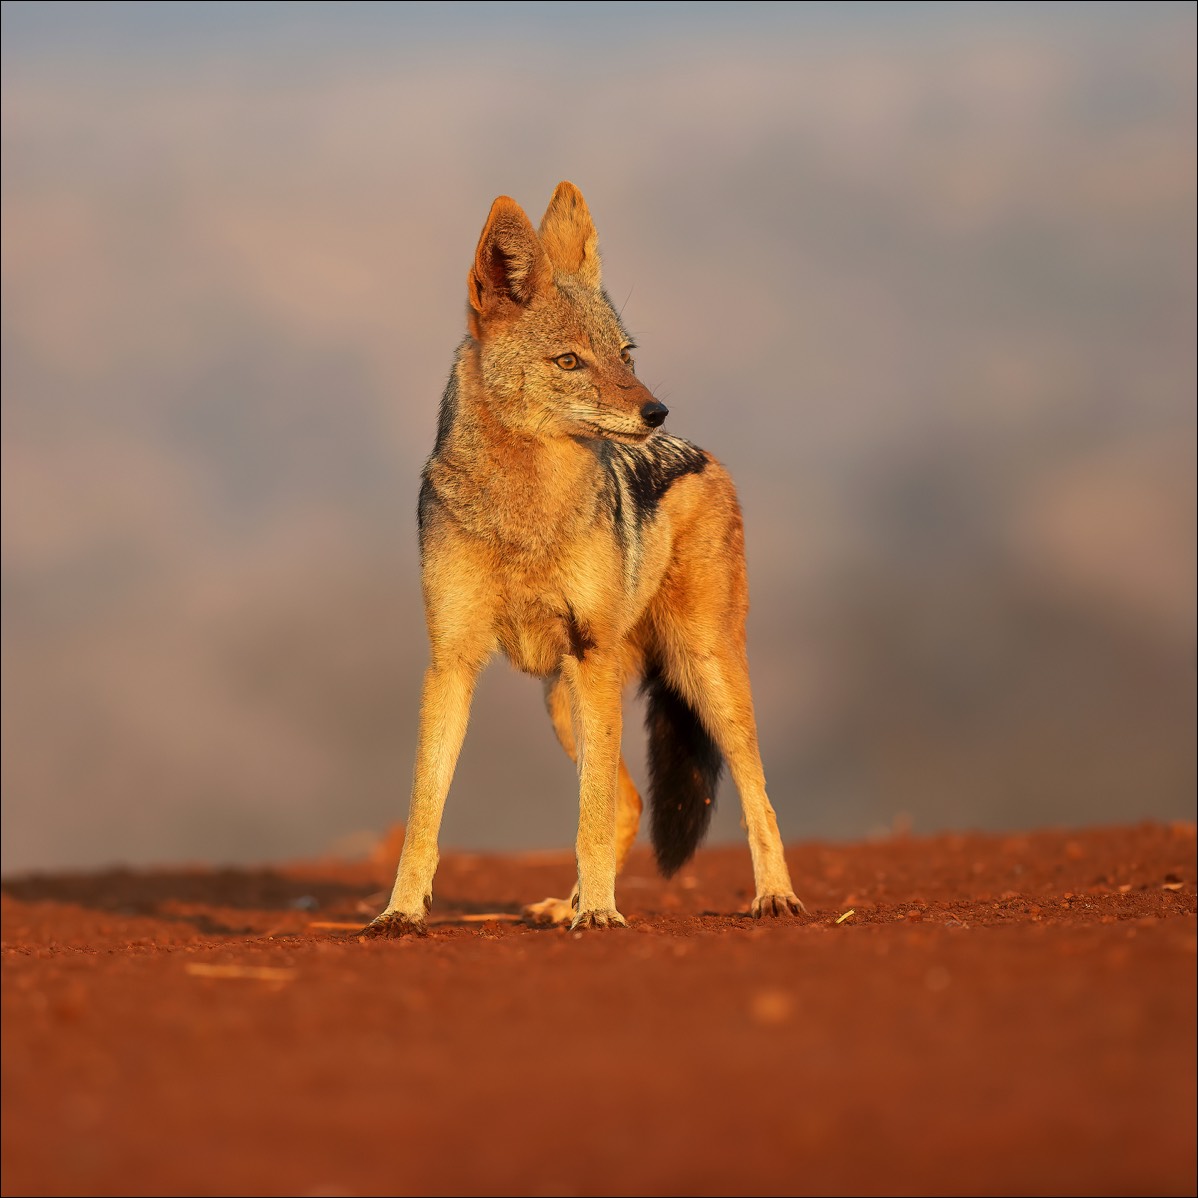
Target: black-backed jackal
(559, 524)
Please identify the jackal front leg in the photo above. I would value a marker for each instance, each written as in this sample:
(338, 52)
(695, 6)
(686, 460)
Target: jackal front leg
(628, 803)
(719, 685)
(444, 710)
(594, 683)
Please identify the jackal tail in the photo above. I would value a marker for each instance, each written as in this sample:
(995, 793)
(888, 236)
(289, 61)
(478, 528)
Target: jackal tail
(684, 772)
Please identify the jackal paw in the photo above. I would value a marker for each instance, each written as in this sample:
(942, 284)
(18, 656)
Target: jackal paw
(392, 924)
(550, 910)
(610, 918)
(776, 904)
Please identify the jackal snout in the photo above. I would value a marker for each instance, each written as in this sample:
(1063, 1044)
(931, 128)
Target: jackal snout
(638, 398)
(630, 399)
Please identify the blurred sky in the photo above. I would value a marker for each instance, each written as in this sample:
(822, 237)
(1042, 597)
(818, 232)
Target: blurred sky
(922, 275)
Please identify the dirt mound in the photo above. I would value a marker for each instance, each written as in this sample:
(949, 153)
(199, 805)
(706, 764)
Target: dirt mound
(958, 1014)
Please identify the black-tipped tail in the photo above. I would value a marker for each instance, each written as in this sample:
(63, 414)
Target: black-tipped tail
(684, 771)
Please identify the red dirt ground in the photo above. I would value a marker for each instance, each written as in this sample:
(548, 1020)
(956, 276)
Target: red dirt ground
(1000, 1014)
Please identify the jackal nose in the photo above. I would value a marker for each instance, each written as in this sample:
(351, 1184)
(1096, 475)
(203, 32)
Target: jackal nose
(654, 413)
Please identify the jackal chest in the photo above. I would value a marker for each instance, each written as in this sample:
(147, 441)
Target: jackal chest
(536, 634)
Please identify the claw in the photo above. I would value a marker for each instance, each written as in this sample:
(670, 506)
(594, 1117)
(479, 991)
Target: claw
(393, 924)
(549, 911)
(777, 905)
(598, 919)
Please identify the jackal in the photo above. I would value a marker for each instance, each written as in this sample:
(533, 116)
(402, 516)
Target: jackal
(560, 524)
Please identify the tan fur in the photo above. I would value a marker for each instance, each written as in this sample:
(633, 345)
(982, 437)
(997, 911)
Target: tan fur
(529, 545)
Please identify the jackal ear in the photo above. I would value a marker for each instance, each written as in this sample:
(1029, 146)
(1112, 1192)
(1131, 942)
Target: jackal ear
(568, 235)
(510, 264)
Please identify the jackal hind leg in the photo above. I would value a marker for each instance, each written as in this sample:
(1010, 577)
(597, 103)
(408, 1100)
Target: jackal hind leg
(628, 804)
(716, 683)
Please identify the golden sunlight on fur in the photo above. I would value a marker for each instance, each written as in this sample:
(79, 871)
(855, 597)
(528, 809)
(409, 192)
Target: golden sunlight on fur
(559, 524)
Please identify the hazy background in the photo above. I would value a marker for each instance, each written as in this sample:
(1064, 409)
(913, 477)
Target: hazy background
(922, 275)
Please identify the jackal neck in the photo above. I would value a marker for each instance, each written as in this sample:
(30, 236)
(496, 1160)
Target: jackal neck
(529, 493)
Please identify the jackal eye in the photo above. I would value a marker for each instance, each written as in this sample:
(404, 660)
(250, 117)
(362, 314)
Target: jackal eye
(626, 358)
(568, 361)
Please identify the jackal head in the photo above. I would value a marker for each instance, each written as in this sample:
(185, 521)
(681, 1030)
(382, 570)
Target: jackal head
(553, 356)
